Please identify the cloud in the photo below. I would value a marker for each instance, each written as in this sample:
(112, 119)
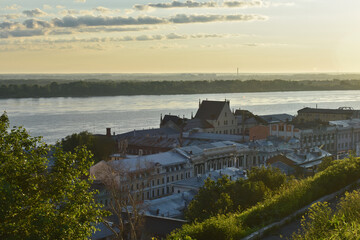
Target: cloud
(193, 4)
(176, 4)
(66, 12)
(71, 21)
(34, 13)
(102, 9)
(60, 6)
(183, 18)
(80, 1)
(33, 23)
(12, 7)
(9, 25)
(11, 16)
(113, 29)
(22, 33)
(89, 23)
(175, 36)
(243, 4)
(47, 7)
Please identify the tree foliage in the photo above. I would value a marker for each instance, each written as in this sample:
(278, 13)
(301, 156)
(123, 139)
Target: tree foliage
(224, 196)
(101, 146)
(117, 88)
(322, 222)
(42, 198)
(292, 196)
(125, 187)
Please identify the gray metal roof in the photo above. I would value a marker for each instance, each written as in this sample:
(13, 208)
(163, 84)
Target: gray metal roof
(274, 118)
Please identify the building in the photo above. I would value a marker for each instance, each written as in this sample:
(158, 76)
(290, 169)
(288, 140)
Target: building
(150, 176)
(321, 136)
(347, 135)
(307, 159)
(259, 132)
(218, 115)
(246, 120)
(173, 121)
(325, 115)
(277, 118)
(284, 130)
(195, 183)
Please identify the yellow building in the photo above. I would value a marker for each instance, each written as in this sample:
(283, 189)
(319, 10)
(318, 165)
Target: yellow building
(325, 115)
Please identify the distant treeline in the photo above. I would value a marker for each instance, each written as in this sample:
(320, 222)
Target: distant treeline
(116, 88)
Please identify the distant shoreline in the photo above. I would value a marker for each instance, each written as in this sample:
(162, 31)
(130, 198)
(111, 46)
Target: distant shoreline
(14, 89)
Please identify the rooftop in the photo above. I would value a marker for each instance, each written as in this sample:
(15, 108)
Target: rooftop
(197, 182)
(276, 118)
(342, 110)
(210, 110)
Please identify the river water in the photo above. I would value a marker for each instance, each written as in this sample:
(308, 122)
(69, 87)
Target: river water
(55, 118)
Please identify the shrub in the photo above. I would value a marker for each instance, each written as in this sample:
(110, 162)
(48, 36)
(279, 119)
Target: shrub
(291, 197)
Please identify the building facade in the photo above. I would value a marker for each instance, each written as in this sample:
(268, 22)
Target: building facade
(325, 115)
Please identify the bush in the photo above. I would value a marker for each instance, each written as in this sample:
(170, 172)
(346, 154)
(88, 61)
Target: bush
(226, 196)
(291, 197)
(321, 222)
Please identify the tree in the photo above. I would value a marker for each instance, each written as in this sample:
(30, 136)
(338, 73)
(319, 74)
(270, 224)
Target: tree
(323, 222)
(44, 193)
(125, 188)
(272, 178)
(224, 196)
(325, 163)
(101, 146)
(212, 199)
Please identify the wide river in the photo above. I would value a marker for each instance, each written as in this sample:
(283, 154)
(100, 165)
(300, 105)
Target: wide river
(55, 118)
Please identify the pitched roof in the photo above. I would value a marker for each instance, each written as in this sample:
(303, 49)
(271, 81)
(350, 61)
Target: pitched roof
(197, 123)
(175, 119)
(148, 132)
(210, 110)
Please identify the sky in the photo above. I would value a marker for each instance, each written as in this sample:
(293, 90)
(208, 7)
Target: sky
(164, 36)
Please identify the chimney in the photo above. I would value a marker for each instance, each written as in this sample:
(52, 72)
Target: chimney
(108, 132)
